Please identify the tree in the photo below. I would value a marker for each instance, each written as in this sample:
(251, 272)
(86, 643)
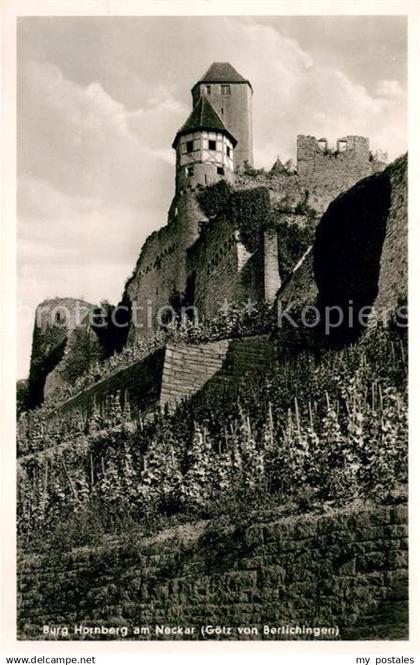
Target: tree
(21, 396)
(84, 351)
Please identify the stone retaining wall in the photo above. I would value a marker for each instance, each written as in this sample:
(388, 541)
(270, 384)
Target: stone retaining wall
(215, 366)
(345, 571)
(140, 381)
(178, 371)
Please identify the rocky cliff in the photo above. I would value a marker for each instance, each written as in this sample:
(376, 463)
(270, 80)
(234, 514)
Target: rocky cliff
(359, 257)
(57, 322)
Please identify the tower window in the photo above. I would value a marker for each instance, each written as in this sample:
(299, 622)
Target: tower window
(220, 170)
(225, 89)
(208, 89)
(212, 145)
(228, 151)
(190, 171)
(190, 146)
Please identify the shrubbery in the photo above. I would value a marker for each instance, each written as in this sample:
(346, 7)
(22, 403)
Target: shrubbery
(293, 241)
(214, 199)
(84, 352)
(249, 212)
(235, 323)
(318, 431)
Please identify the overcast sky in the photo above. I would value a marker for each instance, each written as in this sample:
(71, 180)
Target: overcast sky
(100, 100)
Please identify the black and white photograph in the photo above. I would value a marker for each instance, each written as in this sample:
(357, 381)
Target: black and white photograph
(212, 328)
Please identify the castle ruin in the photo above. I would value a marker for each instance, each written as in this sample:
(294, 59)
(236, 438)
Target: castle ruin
(288, 466)
(204, 259)
(201, 259)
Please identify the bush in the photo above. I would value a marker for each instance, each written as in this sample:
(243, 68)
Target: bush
(319, 430)
(293, 241)
(249, 212)
(248, 209)
(84, 352)
(214, 199)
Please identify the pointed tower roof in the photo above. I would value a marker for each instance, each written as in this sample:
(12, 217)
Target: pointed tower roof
(222, 72)
(203, 116)
(277, 166)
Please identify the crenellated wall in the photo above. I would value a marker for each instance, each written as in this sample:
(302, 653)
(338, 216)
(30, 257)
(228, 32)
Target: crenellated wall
(194, 261)
(321, 174)
(198, 262)
(350, 158)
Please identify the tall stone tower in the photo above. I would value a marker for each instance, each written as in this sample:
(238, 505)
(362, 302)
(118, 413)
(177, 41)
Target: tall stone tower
(231, 97)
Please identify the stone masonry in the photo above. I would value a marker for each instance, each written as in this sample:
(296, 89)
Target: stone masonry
(202, 258)
(178, 371)
(345, 571)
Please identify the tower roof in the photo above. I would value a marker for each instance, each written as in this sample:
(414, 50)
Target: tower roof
(222, 72)
(203, 116)
(277, 166)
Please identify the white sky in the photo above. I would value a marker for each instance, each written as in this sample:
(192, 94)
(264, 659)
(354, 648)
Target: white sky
(100, 100)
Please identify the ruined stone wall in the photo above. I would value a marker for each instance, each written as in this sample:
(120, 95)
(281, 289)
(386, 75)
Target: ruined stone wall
(360, 253)
(160, 272)
(392, 282)
(346, 570)
(282, 187)
(140, 382)
(154, 281)
(56, 378)
(290, 189)
(327, 173)
(180, 370)
(64, 313)
(221, 269)
(55, 321)
(315, 160)
(220, 366)
(321, 174)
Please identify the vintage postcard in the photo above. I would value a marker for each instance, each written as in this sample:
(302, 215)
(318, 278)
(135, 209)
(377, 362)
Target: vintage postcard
(212, 327)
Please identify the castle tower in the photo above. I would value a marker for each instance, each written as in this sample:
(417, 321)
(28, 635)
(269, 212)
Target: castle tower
(204, 149)
(231, 97)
